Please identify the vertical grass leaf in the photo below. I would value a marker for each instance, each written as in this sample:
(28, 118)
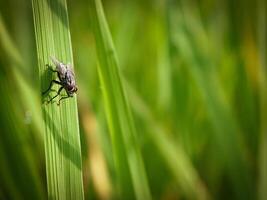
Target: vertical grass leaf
(62, 144)
(17, 158)
(127, 153)
(176, 159)
(263, 100)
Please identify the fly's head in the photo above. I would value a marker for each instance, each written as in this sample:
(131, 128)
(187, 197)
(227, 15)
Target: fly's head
(72, 89)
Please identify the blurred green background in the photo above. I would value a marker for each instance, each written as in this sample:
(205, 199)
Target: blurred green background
(195, 76)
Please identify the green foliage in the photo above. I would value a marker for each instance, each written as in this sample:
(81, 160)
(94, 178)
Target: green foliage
(174, 109)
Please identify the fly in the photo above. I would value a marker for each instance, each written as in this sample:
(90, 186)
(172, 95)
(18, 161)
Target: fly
(66, 78)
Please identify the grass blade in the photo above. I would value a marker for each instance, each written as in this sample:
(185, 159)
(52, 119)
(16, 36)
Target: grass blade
(18, 161)
(178, 162)
(62, 144)
(128, 160)
(263, 100)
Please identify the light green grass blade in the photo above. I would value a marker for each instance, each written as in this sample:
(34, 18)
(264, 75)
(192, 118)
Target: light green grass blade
(127, 154)
(18, 162)
(263, 101)
(26, 91)
(62, 144)
(184, 173)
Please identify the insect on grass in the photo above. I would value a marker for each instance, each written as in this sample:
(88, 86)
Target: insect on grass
(66, 78)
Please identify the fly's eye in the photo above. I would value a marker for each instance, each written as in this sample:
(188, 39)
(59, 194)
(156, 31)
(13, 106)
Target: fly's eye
(72, 88)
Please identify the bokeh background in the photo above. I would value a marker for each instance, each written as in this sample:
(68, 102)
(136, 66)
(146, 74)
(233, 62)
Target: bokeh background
(195, 76)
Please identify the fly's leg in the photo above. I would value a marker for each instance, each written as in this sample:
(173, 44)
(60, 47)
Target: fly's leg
(52, 70)
(50, 86)
(65, 97)
(58, 93)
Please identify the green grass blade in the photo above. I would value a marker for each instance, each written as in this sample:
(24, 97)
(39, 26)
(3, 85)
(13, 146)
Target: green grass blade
(179, 164)
(62, 144)
(123, 134)
(263, 101)
(16, 157)
(18, 163)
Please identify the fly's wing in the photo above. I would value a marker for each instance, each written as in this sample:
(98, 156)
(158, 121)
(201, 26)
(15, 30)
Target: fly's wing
(60, 67)
(70, 67)
(55, 61)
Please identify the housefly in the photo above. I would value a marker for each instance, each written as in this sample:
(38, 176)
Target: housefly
(66, 78)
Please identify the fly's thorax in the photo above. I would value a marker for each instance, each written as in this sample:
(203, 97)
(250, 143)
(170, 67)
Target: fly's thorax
(70, 77)
(69, 80)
